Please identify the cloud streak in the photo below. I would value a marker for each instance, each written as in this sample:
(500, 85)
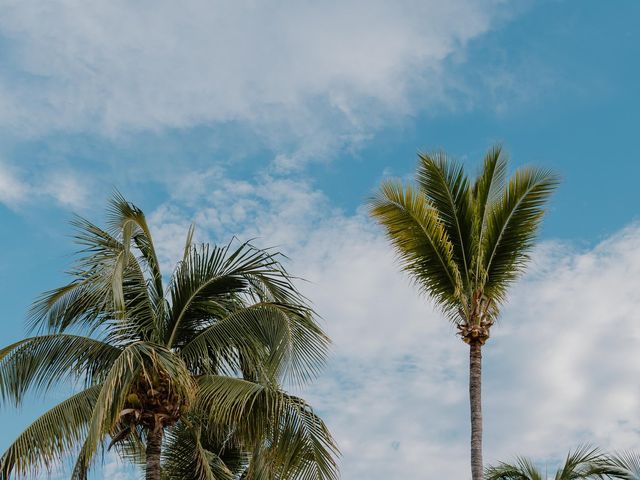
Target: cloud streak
(18, 188)
(305, 79)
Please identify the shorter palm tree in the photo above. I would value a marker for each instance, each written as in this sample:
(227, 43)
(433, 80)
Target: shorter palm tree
(191, 373)
(583, 463)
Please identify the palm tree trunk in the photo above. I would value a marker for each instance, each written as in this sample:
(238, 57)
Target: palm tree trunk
(154, 449)
(475, 397)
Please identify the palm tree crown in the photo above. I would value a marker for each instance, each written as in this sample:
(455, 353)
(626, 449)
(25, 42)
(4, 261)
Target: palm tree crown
(193, 368)
(464, 242)
(582, 464)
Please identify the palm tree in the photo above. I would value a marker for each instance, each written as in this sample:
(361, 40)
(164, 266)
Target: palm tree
(464, 243)
(584, 463)
(205, 356)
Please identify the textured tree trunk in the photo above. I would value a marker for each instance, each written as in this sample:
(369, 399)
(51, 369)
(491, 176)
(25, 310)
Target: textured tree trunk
(154, 449)
(475, 397)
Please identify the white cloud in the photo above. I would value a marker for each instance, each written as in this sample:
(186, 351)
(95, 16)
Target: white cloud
(12, 189)
(315, 75)
(558, 371)
(18, 188)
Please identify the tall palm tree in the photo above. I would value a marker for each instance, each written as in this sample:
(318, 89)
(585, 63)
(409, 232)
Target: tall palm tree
(464, 242)
(584, 463)
(204, 356)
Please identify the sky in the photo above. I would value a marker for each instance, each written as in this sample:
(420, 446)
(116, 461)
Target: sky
(277, 120)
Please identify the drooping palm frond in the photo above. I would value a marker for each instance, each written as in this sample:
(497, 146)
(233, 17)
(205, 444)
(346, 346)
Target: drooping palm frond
(109, 284)
(628, 464)
(298, 444)
(511, 228)
(53, 435)
(200, 450)
(301, 447)
(421, 241)
(38, 363)
(444, 183)
(124, 217)
(270, 338)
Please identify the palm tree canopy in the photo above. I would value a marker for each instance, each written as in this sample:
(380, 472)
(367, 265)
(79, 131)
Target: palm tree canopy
(583, 463)
(464, 241)
(211, 347)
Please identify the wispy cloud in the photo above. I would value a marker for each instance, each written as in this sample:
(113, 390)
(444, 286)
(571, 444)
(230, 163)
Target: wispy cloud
(12, 189)
(304, 78)
(19, 187)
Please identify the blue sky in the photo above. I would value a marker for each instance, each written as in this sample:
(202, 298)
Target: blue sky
(278, 121)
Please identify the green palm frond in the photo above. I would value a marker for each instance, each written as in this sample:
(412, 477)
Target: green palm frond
(628, 465)
(109, 285)
(38, 363)
(583, 463)
(129, 221)
(421, 241)
(212, 279)
(202, 451)
(486, 190)
(511, 228)
(188, 243)
(444, 183)
(522, 469)
(52, 435)
(272, 337)
(82, 464)
(299, 444)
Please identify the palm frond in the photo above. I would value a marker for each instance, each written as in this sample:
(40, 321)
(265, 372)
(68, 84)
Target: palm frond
(109, 284)
(127, 220)
(200, 451)
(444, 183)
(215, 277)
(188, 243)
(511, 228)
(628, 465)
(38, 363)
(585, 462)
(270, 337)
(299, 444)
(48, 438)
(522, 469)
(486, 190)
(420, 240)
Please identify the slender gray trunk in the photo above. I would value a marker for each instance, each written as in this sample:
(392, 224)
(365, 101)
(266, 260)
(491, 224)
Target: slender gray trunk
(475, 397)
(154, 449)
